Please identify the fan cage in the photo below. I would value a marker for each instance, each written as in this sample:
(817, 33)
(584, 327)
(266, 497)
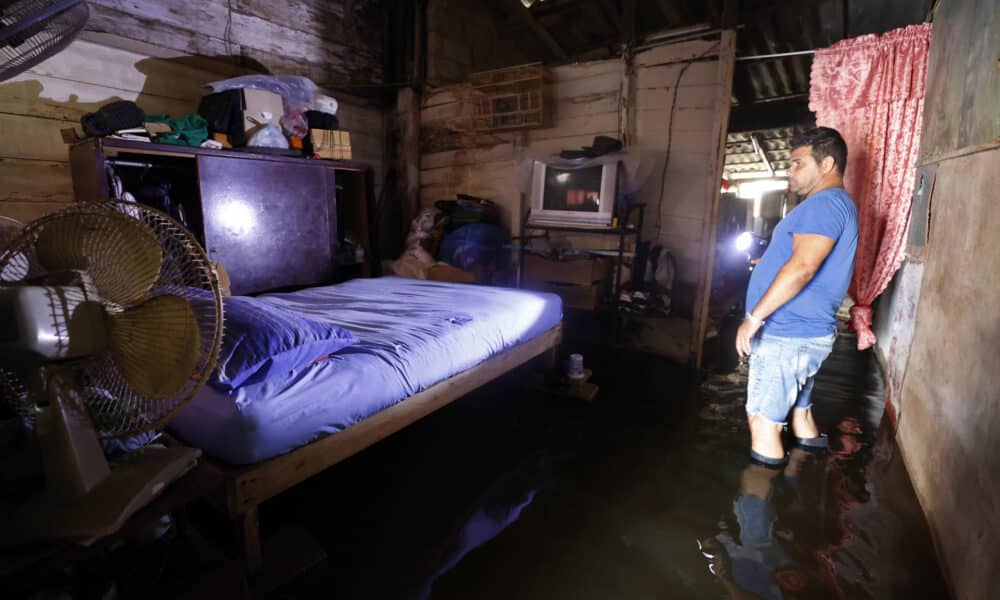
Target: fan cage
(115, 408)
(33, 30)
(14, 395)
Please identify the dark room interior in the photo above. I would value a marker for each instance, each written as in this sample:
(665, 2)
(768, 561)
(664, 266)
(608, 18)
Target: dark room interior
(451, 299)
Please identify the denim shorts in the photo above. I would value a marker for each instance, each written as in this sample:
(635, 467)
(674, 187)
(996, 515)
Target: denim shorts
(781, 373)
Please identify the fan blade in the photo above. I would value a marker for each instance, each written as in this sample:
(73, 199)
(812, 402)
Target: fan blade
(121, 256)
(156, 345)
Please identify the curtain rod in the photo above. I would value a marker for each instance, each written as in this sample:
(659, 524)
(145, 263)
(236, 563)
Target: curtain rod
(776, 55)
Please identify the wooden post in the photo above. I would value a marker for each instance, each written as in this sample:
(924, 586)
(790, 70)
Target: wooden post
(249, 531)
(730, 14)
(727, 55)
(628, 22)
(550, 358)
(408, 117)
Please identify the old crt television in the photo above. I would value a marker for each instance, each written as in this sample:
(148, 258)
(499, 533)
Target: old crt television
(573, 196)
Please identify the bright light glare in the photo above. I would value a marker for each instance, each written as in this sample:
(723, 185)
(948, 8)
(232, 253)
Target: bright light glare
(562, 177)
(743, 241)
(755, 189)
(237, 217)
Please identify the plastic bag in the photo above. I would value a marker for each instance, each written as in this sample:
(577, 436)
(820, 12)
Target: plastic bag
(294, 122)
(268, 136)
(326, 104)
(297, 91)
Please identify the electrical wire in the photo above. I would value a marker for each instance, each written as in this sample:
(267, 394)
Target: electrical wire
(228, 35)
(670, 135)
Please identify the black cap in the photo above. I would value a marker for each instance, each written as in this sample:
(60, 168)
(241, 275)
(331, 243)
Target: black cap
(110, 118)
(603, 145)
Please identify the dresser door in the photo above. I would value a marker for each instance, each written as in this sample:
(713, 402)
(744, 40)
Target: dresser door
(268, 222)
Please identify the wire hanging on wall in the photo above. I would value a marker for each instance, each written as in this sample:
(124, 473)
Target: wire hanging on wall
(228, 35)
(670, 131)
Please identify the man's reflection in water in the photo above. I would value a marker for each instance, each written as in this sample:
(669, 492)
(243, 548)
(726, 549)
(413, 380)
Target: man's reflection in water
(498, 508)
(755, 564)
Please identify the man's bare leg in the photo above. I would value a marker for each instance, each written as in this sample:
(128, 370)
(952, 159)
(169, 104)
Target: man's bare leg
(803, 425)
(765, 437)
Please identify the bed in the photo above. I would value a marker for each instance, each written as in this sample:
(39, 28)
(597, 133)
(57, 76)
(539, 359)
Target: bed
(420, 345)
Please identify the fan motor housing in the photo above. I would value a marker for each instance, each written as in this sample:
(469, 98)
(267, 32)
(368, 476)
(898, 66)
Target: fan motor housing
(50, 322)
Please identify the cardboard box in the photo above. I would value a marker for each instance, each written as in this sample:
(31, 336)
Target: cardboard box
(331, 144)
(261, 107)
(581, 283)
(581, 271)
(587, 297)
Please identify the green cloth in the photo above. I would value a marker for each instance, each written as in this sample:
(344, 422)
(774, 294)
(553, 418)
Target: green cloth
(189, 130)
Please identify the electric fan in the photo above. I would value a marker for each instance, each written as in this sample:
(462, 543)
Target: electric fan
(9, 229)
(112, 320)
(33, 30)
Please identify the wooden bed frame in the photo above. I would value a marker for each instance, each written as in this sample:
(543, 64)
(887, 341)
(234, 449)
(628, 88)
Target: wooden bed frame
(245, 487)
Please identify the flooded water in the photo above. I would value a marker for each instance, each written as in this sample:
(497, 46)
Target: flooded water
(647, 493)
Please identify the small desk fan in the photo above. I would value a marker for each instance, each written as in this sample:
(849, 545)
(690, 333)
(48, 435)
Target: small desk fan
(33, 30)
(111, 316)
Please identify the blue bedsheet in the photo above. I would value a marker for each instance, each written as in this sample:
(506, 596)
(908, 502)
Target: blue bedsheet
(412, 335)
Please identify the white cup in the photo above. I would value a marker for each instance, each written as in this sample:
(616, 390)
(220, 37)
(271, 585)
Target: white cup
(575, 368)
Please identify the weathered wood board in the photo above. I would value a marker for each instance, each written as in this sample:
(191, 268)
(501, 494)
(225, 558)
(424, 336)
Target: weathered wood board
(598, 98)
(159, 55)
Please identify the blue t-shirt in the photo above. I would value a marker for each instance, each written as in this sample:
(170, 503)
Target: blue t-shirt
(812, 313)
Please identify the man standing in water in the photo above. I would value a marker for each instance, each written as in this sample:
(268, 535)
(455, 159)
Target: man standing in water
(794, 294)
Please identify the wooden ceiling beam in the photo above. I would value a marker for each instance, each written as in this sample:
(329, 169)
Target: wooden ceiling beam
(831, 20)
(537, 28)
(610, 12)
(669, 10)
(730, 14)
(770, 43)
(743, 89)
(628, 22)
(770, 115)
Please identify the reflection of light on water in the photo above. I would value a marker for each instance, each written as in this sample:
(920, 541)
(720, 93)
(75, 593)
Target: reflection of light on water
(237, 217)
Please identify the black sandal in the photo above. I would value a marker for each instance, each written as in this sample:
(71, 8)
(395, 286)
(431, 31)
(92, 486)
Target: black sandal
(766, 461)
(814, 443)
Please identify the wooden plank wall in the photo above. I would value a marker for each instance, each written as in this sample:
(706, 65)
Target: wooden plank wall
(963, 80)
(455, 159)
(599, 98)
(941, 336)
(334, 42)
(949, 411)
(159, 58)
(677, 214)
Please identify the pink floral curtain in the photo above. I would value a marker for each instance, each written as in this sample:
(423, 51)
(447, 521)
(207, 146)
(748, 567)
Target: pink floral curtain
(871, 89)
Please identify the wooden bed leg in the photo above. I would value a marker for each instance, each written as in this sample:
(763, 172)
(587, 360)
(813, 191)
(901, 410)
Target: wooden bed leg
(549, 358)
(250, 537)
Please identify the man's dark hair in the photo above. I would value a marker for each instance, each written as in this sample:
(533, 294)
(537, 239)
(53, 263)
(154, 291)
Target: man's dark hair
(825, 142)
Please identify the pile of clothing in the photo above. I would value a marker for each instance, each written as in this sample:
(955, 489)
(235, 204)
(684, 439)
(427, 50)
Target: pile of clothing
(274, 112)
(124, 119)
(457, 240)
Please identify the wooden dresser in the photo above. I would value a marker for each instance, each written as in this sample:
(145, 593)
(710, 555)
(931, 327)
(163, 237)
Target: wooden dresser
(273, 221)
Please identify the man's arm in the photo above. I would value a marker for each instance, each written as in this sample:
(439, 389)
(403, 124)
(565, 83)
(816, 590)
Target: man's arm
(809, 250)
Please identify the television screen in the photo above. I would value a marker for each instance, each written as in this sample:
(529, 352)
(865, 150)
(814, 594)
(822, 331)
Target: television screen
(573, 189)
